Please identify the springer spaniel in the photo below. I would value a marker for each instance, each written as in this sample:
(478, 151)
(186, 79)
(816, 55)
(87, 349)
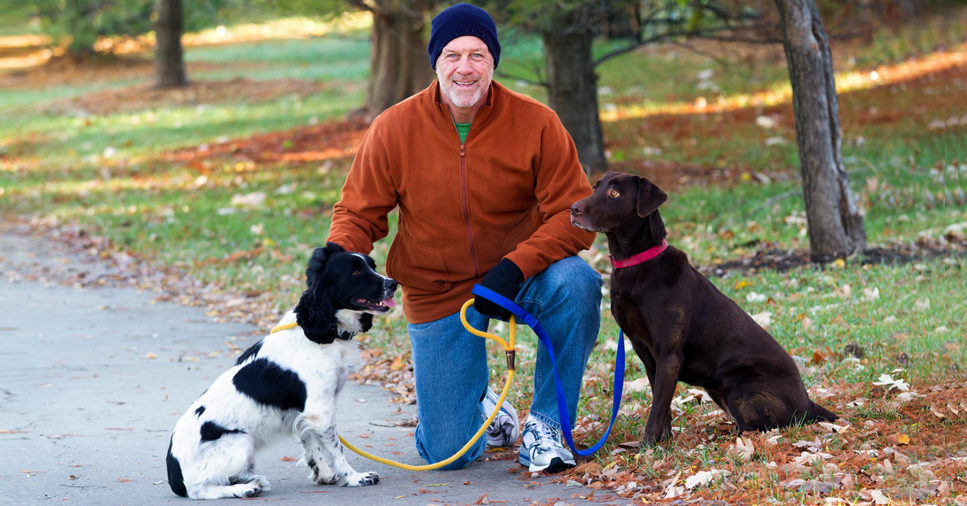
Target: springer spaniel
(284, 385)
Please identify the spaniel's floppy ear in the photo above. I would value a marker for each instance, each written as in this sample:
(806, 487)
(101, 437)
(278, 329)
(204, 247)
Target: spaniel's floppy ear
(317, 263)
(316, 313)
(650, 196)
(366, 321)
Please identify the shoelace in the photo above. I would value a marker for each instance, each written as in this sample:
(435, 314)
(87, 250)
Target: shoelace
(542, 433)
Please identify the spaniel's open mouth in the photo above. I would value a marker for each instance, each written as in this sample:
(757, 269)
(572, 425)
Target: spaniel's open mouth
(379, 307)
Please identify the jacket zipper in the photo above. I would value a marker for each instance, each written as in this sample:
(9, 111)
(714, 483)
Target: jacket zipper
(466, 207)
(465, 192)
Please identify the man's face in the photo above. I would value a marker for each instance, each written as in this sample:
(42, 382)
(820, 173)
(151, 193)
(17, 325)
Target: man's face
(465, 69)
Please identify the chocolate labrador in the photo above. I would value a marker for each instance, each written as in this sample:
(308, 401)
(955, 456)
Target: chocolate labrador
(681, 326)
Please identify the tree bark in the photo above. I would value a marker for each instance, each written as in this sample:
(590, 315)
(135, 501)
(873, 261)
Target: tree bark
(169, 63)
(572, 88)
(399, 65)
(836, 224)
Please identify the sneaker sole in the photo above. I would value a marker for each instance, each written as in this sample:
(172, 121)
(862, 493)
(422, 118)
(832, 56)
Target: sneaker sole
(556, 465)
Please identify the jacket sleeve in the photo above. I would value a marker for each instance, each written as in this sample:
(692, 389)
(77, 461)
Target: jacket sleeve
(369, 194)
(560, 181)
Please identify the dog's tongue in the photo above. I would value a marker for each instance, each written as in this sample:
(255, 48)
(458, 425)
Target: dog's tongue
(390, 303)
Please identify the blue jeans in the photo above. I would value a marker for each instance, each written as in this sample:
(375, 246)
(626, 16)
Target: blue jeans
(450, 364)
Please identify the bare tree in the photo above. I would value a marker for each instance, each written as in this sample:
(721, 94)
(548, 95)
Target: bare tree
(836, 223)
(572, 89)
(568, 29)
(399, 65)
(169, 62)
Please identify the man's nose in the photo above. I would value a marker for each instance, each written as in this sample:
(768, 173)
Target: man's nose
(464, 66)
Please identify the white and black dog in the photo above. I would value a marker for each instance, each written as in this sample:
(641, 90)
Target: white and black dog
(284, 386)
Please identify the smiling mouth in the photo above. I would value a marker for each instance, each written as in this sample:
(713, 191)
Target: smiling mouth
(465, 84)
(379, 307)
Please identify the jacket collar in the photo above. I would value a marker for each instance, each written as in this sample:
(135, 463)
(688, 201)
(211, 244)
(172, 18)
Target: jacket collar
(435, 101)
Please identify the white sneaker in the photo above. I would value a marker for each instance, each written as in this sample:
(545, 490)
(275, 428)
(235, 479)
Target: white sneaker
(505, 428)
(542, 450)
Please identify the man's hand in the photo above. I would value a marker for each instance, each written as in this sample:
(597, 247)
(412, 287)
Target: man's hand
(505, 278)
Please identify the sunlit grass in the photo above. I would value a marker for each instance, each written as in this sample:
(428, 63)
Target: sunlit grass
(781, 93)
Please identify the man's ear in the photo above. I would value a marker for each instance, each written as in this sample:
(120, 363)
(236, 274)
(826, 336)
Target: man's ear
(650, 197)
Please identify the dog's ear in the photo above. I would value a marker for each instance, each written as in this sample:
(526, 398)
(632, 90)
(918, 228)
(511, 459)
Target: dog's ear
(650, 197)
(366, 321)
(317, 263)
(316, 312)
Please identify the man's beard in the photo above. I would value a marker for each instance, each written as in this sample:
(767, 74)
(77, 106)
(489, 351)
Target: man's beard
(464, 98)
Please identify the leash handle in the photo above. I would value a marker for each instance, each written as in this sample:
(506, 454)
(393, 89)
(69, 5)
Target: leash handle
(562, 410)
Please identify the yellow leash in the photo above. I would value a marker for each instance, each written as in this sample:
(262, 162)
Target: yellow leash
(508, 348)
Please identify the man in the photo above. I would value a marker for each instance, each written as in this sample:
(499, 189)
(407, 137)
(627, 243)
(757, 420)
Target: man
(483, 178)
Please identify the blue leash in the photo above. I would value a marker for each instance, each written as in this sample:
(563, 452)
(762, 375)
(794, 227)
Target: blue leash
(619, 373)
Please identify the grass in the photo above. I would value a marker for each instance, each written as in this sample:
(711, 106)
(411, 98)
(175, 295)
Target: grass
(109, 175)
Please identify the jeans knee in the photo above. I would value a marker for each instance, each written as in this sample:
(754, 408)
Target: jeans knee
(576, 281)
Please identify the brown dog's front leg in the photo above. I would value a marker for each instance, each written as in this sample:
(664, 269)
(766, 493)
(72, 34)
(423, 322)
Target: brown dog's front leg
(659, 426)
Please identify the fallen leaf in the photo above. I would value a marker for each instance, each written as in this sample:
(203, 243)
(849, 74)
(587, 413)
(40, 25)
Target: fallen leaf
(764, 319)
(638, 385)
(878, 497)
(703, 478)
(898, 439)
(888, 381)
(745, 448)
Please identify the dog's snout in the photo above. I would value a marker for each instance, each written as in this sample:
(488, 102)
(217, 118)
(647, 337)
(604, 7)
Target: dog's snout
(390, 285)
(577, 209)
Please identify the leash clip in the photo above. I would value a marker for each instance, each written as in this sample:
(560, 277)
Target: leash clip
(511, 357)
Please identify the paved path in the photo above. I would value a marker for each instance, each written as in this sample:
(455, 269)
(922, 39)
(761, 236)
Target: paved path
(93, 380)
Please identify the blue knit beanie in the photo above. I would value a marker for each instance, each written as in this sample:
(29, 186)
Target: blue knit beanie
(458, 21)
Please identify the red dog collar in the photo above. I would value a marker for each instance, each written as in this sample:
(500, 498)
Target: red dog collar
(644, 256)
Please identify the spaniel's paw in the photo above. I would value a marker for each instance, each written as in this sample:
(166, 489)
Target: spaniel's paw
(362, 480)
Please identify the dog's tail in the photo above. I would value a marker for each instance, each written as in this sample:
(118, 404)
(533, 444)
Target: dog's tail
(818, 413)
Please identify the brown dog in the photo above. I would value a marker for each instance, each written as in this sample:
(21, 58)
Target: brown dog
(681, 326)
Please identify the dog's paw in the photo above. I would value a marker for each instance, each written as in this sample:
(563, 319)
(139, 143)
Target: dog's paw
(362, 480)
(253, 489)
(263, 482)
(649, 441)
(323, 479)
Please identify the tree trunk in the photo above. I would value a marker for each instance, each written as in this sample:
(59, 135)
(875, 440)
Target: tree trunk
(399, 65)
(572, 89)
(835, 221)
(169, 64)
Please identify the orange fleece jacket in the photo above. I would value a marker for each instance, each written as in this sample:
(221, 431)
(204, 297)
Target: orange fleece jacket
(505, 193)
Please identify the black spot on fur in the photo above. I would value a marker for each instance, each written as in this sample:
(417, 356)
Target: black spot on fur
(211, 431)
(200, 410)
(267, 383)
(175, 479)
(252, 351)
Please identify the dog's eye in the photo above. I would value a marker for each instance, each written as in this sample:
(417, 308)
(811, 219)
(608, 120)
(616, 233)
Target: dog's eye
(357, 273)
(613, 193)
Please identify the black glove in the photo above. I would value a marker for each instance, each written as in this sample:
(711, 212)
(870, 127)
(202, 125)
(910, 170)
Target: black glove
(318, 261)
(505, 278)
